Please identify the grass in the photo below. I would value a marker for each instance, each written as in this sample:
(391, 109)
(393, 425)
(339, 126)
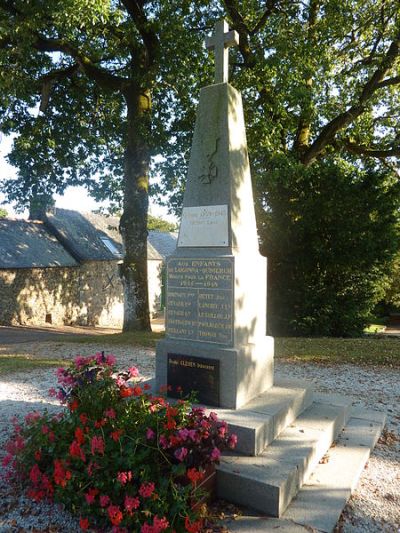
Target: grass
(368, 350)
(360, 351)
(147, 339)
(374, 328)
(17, 363)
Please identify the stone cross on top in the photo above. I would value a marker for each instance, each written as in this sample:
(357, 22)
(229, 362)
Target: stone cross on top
(220, 42)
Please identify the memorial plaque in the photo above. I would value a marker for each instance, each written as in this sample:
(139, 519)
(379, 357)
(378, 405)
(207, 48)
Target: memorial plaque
(204, 226)
(186, 374)
(200, 299)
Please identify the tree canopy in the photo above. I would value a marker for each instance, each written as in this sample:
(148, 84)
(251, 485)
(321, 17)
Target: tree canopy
(94, 88)
(83, 85)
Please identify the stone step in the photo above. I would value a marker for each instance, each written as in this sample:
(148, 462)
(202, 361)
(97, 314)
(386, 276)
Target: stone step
(271, 480)
(260, 421)
(322, 498)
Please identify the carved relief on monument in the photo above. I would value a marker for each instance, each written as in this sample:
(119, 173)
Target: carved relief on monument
(209, 169)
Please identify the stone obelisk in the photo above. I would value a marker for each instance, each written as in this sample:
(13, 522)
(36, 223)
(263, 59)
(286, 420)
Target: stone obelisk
(216, 339)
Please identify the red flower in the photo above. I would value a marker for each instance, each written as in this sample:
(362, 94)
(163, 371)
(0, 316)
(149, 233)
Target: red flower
(115, 435)
(83, 418)
(61, 475)
(104, 501)
(137, 391)
(73, 406)
(84, 524)
(35, 474)
(193, 527)
(115, 515)
(125, 392)
(131, 503)
(146, 489)
(79, 435)
(76, 451)
(100, 423)
(38, 455)
(91, 495)
(97, 445)
(194, 475)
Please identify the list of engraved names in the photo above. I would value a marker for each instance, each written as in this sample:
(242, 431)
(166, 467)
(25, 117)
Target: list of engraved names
(200, 299)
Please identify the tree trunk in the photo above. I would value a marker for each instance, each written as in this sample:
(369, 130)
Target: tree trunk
(133, 224)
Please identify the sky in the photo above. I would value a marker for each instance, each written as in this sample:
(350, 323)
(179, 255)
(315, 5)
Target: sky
(74, 197)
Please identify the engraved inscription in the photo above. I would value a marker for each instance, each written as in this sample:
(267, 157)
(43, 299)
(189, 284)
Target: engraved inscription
(200, 299)
(210, 169)
(204, 226)
(188, 374)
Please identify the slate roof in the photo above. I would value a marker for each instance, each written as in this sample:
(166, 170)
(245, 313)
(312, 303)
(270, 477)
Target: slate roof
(26, 244)
(163, 242)
(85, 234)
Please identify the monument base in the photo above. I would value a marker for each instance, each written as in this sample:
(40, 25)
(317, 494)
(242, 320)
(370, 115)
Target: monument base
(244, 371)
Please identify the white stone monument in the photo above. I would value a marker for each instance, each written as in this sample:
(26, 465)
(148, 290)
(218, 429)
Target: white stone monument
(216, 280)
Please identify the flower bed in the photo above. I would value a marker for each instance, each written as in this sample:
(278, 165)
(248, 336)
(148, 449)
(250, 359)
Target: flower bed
(119, 457)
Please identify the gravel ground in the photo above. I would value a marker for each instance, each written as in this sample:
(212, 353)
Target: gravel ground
(373, 508)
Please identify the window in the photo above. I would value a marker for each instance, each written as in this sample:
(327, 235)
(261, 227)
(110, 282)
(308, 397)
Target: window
(110, 246)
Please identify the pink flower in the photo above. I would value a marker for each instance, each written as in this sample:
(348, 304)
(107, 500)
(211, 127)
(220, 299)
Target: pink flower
(222, 430)
(115, 515)
(32, 417)
(7, 460)
(131, 503)
(110, 413)
(120, 381)
(97, 445)
(52, 392)
(76, 451)
(104, 501)
(215, 454)
(150, 434)
(163, 441)
(160, 524)
(35, 474)
(91, 495)
(124, 477)
(146, 489)
(232, 441)
(80, 361)
(181, 453)
(110, 360)
(133, 372)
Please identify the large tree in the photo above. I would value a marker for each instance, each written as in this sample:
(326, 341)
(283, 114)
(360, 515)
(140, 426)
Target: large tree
(321, 85)
(79, 80)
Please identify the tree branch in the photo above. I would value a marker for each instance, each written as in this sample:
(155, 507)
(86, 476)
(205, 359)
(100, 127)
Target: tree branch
(389, 81)
(379, 153)
(49, 80)
(86, 65)
(329, 131)
(146, 30)
(270, 8)
(243, 31)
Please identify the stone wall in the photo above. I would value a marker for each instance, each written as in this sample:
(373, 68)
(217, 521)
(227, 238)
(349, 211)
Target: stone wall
(39, 296)
(89, 295)
(100, 294)
(154, 273)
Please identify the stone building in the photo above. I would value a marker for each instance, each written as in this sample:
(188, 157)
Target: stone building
(65, 270)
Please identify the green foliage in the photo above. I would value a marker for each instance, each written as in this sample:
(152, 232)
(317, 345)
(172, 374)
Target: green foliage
(392, 295)
(119, 456)
(3, 213)
(330, 234)
(159, 224)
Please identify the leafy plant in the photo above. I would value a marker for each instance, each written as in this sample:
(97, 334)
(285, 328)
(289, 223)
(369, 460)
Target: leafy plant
(118, 456)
